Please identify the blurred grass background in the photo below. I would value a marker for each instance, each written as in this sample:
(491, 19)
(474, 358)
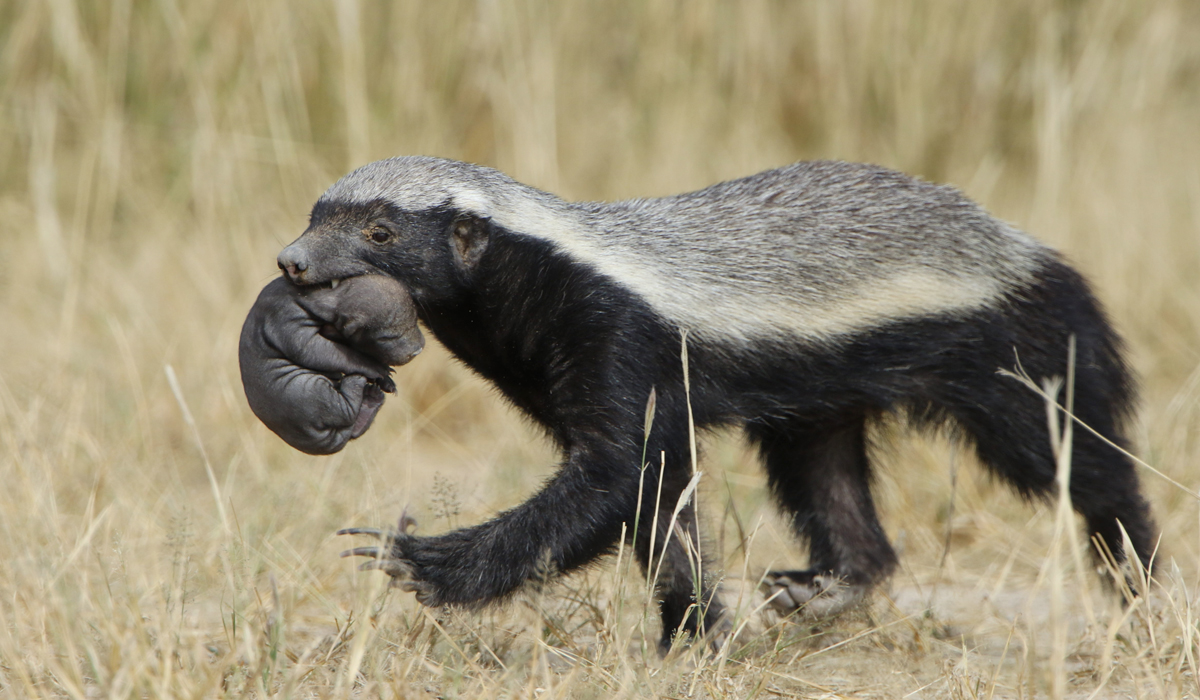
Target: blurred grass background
(156, 155)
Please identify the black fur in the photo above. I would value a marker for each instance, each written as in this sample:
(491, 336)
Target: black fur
(580, 354)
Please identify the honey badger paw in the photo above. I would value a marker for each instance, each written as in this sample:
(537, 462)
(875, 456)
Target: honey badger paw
(393, 556)
(810, 593)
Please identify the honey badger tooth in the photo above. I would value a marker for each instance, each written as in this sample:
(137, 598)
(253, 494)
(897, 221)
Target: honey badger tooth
(334, 283)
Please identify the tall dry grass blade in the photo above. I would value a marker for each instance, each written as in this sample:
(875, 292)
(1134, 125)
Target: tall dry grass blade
(1024, 378)
(648, 424)
(84, 541)
(355, 106)
(43, 184)
(648, 420)
(1083, 581)
(1063, 525)
(682, 502)
(191, 423)
(750, 617)
(651, 580)
(698, 567)
(363, 632)
(687, 394)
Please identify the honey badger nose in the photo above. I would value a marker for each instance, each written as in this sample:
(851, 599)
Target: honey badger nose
(293, 262)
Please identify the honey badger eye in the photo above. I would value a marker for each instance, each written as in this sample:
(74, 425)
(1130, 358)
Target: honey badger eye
(380, 234)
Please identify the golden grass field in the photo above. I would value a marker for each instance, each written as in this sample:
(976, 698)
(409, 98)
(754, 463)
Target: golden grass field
(156, 155)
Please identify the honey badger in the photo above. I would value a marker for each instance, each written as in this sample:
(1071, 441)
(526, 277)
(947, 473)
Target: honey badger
(815, 298)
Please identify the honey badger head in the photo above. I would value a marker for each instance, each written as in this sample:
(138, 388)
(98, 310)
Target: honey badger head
(424, 220)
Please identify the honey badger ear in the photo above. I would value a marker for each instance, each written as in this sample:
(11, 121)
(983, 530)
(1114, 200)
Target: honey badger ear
(469, 234)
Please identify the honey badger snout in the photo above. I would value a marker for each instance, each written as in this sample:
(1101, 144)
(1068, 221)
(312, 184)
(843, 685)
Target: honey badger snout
(293, 260)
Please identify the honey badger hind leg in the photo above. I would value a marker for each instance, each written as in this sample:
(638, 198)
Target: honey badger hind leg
(820, 475)
(1007, 422)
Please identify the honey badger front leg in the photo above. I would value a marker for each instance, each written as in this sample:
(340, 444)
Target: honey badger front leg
(576, 517)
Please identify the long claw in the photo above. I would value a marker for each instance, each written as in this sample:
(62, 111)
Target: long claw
(421, 589)
(373, 552)
(813, 595)
(382, 557)
(406, 522)
(781, 598)
(391, 567)
(372, 531)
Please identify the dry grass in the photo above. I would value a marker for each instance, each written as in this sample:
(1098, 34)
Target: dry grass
(154, 157)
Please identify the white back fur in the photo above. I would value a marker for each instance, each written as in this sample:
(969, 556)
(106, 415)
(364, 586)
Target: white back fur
(818, 250)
